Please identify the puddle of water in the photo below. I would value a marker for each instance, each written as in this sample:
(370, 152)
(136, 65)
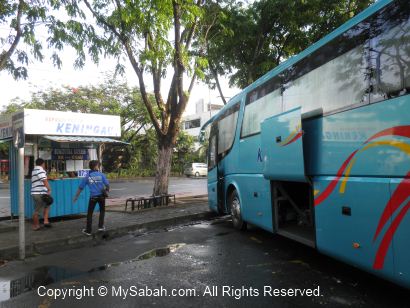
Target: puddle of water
(46, 275)
(158, 252)
(202, 226)
(40, 276)
(180, 227)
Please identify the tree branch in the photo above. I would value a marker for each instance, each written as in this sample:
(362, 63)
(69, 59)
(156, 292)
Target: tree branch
(192, 83)
(178, 65)
(102, 20)
(218, 85)
(5, 55)
(143, 91)
(134, 63)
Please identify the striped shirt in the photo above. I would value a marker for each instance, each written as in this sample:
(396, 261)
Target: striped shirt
(37, 181)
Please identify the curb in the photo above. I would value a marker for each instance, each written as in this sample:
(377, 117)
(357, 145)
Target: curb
(5, 228)
(80, 240)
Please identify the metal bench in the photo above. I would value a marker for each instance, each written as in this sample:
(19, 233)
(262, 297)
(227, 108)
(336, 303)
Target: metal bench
(149, 201)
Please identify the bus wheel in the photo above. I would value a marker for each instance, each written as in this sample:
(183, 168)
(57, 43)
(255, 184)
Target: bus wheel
(197, 174)
(235, 207)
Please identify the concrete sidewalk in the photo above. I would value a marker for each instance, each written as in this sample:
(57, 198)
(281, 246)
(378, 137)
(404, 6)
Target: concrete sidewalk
(66, 234)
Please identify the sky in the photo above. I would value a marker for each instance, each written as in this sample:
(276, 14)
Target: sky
(43, 75)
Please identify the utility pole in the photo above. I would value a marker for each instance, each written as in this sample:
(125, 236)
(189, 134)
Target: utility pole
(22, 231)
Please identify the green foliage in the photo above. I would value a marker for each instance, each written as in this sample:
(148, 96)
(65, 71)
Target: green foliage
(184, 152)
(141, 156)
(249, 41)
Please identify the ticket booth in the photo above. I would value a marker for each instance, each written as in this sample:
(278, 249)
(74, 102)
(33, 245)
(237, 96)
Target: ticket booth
(67, 141)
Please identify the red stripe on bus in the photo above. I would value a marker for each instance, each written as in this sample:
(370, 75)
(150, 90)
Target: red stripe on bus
(385, 244)
(299, 134)
(399, 196)
(403, 131)
(333, 184)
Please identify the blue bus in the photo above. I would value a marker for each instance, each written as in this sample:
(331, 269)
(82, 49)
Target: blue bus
(318, 149)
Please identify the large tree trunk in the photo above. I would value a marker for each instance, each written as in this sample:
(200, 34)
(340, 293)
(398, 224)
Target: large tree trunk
(163, 168)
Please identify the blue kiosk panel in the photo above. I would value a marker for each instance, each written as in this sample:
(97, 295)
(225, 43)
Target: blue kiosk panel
(63, 192)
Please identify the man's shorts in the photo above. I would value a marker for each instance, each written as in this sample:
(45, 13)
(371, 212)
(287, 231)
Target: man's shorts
(39, 204)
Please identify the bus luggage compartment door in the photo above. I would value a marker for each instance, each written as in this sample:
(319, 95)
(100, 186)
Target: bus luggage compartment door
(282, 147)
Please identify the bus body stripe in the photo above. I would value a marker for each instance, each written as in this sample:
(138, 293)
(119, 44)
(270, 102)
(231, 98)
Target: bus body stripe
(333, 184)
(397, 144)
(388, 237)
(399, 196)
(403, 131)
(299, 134)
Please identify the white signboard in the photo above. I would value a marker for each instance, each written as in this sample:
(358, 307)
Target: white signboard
(47, 122)
(6, 128)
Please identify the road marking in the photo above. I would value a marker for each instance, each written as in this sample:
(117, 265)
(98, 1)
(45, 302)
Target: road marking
(118, 188)
(4, 197)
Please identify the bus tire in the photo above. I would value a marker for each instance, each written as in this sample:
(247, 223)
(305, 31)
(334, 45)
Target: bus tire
(235, 209)
(197, 174)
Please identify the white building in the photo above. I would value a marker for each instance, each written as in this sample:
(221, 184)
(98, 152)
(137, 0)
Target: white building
(191, 124)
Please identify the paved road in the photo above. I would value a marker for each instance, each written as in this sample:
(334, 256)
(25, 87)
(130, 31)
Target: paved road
(210, 262)
(182, 186)
(121, 189)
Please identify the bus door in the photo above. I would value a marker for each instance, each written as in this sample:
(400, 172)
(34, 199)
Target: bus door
(215, 176)
(283, 148)
(220, 189)
(283, 165)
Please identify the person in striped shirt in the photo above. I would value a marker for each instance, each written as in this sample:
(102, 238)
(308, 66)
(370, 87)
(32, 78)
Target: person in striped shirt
(39, 187)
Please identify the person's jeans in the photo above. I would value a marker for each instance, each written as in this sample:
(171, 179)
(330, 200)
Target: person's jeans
(91, 205)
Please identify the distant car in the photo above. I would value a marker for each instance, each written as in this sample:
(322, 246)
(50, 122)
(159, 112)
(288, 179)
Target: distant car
(196, 169)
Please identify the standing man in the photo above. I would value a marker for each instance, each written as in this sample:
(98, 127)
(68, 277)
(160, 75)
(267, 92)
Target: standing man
(99, 186)
(40, 187)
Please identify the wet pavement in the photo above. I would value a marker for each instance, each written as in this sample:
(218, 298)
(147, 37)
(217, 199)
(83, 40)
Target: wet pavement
(66, 233)
(206, 264)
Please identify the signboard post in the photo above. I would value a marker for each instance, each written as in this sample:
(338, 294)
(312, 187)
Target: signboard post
(18, 142)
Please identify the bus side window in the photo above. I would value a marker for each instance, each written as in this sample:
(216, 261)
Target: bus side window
(333, 77)
(226, 129)
(257, 110)
(212, 152)
(390, 52)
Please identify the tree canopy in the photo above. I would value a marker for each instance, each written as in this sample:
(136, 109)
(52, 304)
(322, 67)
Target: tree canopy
(155, 36)
(248, 41)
